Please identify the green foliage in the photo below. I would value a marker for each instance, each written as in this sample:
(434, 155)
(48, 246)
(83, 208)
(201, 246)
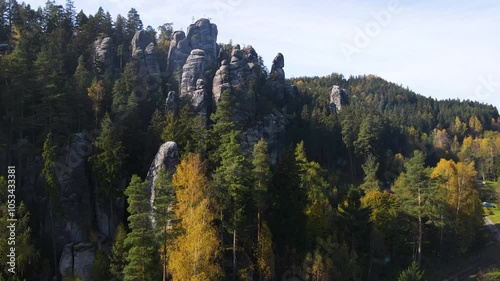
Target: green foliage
(163, 204)
(142, 259)
(118, 253)
(412, 273)
(101, 268)
(232, 180)
(370, 169)
(49, 168)
(107, 161)
(185, 128)
(261, 173)
(221, 129)
(24, 250)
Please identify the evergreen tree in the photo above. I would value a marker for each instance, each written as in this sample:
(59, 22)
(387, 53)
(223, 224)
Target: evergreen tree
(412, 189)
(370, 168)
(232, 179)
(312, 182)
(118, 255)
(142, 258)
(262, 179)
(107, 162)
(412, 273)
(220, 131)
(25, 252)
(51, 184)
(163, 203)
(134, 24)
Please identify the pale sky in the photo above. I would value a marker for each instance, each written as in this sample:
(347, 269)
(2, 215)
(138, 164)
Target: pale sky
(439, 48)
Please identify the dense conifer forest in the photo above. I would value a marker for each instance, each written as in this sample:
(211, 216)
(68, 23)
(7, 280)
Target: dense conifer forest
(132, 166)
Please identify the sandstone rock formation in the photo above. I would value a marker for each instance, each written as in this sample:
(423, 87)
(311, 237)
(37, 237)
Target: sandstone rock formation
(192, 84)
(171, 102)
(143, 48)
(237, 76)
(75, 203)
(277, 71)
(272, 128)
(167, 156)
(338, 98)
(77, 260)
(103, 54)
(203, 35)
(282, 92)
(200, 35)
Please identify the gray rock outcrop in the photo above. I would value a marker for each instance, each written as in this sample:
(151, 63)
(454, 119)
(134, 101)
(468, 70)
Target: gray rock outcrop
(277, 71)
(171, 102)
(168, 157)
(282, 92)
(200, 35)
(237, 75)
(74, 222)
(103, 54)
(192, 84)
(272, 128)
(338, 98)
(144, 49)
(77, 260)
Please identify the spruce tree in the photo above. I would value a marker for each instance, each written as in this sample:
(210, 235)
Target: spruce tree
(142, 258)
(118, 253)
(164, 203)
(107, 163)
(51, 184)
(412, 189)
(232, 179)
(262, 178)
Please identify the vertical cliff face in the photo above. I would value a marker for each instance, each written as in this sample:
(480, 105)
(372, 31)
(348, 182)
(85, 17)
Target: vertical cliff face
(193, 82)
(277, 71)
(103, 54)
(144, 49)
(338, 98)
(238, 76)
(201, 35)
(168, 157)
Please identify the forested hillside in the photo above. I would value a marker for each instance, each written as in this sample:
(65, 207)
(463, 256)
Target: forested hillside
(144, 153)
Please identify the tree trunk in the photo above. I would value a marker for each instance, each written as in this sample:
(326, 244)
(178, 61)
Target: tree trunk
(420, 230)
(234, 255)
(258, 240)
(165, 254)
(53, 239)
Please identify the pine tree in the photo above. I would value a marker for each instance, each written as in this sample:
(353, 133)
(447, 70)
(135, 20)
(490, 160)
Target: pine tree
(107, 162)
(142, 258)
(134, 24)
(51, 184)
(164, 202)
(412, 273)
(220, 131)
(118, 253)
(194, 254)
(262, 178)
(412, 189)
(312, 182)
(231, 177)
(370, 168)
